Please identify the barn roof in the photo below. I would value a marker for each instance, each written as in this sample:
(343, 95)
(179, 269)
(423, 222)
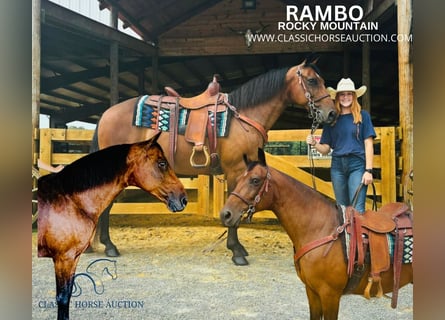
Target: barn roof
(193, 40)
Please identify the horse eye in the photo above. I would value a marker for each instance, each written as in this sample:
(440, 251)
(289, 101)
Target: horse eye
(255, 181)
(312, 81)
(163, 164)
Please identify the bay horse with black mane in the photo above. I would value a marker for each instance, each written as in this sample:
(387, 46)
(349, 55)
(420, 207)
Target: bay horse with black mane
(253, 109)
(317, 230)
(70, 202)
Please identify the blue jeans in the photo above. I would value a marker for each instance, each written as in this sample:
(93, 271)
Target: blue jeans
(346, 176)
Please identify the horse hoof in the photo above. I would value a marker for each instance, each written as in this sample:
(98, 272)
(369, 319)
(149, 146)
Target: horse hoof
(240, 261)
(112, 252)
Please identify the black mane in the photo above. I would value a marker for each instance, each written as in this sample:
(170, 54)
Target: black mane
(259, 89)
(93, 170)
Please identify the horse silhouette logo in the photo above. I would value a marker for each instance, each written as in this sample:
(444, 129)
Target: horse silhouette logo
(95, 272)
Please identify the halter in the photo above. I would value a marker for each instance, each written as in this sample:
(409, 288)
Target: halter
(314, 112)
(251, 206)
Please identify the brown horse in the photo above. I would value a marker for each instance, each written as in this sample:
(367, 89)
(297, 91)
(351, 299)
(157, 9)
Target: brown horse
(71, 201)
(306, 216)
(262, 99)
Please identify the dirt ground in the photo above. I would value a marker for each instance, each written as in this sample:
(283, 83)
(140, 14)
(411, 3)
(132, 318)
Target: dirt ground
(167, 271)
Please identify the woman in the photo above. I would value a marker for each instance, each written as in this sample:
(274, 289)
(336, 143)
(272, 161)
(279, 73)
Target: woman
(351, 139)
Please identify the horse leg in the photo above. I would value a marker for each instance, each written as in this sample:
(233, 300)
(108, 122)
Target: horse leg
(331, 304)
(64, 268)
(323, 304)
(238, 250)
(315, 309)
(104, 233)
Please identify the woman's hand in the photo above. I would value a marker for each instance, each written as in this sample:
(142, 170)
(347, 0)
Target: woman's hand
(367, 178)
(310, 140)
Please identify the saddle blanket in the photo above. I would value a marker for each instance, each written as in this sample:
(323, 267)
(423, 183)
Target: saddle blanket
(408, 243)
(143, 116)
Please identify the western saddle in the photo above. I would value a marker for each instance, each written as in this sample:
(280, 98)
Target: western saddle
(369, 231)
(210, 101)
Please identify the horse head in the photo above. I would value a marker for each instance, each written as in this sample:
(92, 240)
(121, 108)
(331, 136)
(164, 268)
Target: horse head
(152, 173)
(251, 188)
(307, 88)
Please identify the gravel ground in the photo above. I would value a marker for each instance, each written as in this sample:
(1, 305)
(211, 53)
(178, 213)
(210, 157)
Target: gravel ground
(165, 272)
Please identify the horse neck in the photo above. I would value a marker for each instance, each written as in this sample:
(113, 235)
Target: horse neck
(303, 213)
(267, 113)
(98, 199)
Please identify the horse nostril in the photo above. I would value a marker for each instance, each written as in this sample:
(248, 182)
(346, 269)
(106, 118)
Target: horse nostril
(331, 116)
(227, 215)
(184, 201)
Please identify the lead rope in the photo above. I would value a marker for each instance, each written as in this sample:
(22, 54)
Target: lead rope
(314, 127)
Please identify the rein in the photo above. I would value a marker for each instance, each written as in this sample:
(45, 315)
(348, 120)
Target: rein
(247, 120)
(314, 114)
(251, 205)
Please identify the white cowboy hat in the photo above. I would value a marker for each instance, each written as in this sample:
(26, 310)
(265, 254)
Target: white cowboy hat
(346, 84)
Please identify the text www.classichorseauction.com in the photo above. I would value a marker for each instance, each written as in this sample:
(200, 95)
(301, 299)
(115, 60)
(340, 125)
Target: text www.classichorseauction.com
(332, 19)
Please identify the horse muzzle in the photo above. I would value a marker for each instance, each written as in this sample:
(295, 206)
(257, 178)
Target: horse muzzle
(177, 204)
(229, 219)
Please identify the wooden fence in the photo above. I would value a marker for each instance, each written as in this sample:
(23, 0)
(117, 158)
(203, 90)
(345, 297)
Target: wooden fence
(211, 193)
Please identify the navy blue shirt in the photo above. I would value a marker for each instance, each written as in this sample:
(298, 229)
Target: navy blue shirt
(347, 138)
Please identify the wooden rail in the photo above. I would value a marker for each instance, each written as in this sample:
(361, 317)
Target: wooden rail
(47, 153)
(387, 187)
(293, 165)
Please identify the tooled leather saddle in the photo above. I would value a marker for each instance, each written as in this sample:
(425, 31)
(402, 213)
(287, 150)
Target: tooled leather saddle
(366, 240)
(368, 237)
(201, 112)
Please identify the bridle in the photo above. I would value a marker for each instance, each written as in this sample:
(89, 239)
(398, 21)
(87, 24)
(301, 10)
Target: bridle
(314, 114)
(251, 205)
(314, 111)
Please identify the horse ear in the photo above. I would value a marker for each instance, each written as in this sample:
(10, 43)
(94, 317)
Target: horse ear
(312, 58)
(246, 161)
(153, 140)
(261, 156)
(155, 137)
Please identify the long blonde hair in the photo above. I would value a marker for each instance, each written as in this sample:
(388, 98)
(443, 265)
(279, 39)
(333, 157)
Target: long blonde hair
(356, 108)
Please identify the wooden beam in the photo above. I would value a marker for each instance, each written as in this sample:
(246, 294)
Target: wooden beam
(69, 20)
(130, 21)
(404, 20)
(35, 103)
(114, 61)
(60, 81)
(233, 45)
(187, 15)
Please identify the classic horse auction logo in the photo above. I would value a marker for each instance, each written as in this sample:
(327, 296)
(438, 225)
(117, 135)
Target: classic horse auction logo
(95, 272)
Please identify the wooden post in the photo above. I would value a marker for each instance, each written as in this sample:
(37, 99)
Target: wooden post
(203, 195)
(46, 148)
(114, 61)
(404, 19)
(366, 77)
(388, 164)
(219, 188)
(35, 103)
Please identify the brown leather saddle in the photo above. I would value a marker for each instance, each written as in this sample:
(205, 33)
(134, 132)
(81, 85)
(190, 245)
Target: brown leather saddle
(198, 127)
(369, 231)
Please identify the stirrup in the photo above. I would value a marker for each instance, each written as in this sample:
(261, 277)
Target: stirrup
(206, 154)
